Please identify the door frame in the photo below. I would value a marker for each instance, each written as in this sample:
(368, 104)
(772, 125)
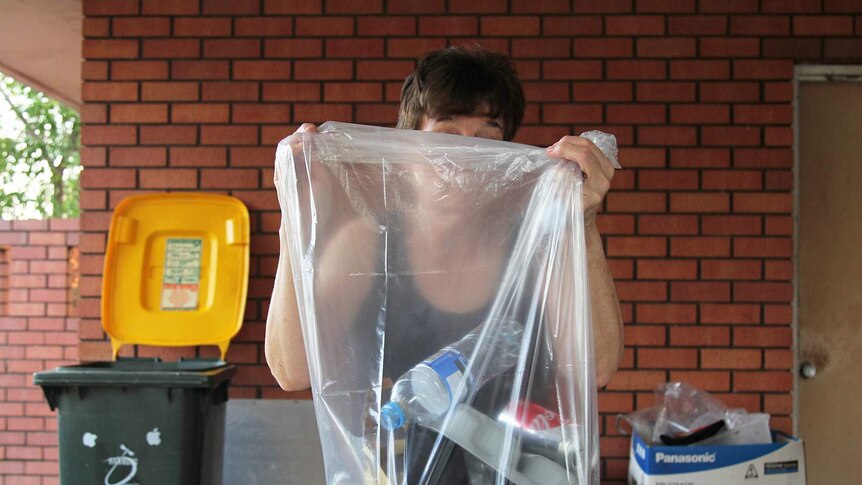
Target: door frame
(807, 73)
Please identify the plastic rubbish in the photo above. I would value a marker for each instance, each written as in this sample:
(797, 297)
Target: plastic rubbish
(686, 415)
(743, 428)
(530, 416)
(696, 436)
(605, 142)
(686, 409)
(426, 391)
(400, 242)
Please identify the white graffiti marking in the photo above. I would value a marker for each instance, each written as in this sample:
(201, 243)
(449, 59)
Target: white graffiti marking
(124, 460)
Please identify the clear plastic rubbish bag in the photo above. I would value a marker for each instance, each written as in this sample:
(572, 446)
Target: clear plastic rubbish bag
(442, 287)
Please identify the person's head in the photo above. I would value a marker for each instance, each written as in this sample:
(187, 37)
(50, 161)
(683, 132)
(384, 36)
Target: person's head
(463, 90)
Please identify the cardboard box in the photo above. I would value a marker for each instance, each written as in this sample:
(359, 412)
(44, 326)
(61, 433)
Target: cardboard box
(781, 462)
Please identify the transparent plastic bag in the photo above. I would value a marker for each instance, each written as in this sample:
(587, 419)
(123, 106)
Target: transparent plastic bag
(743, 428)
(442, 287)
(683, 410)
(641, 421)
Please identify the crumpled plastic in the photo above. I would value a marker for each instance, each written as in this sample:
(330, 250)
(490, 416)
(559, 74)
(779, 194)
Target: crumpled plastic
(682, 409)
(401, 244)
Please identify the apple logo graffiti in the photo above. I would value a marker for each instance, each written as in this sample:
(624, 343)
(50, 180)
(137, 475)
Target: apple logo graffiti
(123, 468)
(89, 440)
(154, 437)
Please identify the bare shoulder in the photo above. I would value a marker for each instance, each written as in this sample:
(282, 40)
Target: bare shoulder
(348, 262)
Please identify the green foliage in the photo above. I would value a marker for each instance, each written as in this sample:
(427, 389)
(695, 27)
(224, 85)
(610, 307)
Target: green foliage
(40, 163)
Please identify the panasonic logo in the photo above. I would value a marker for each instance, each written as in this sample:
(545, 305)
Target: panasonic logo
(701, 458)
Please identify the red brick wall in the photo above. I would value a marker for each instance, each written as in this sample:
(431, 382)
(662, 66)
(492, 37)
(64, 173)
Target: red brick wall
(38, 331)
(194, 95)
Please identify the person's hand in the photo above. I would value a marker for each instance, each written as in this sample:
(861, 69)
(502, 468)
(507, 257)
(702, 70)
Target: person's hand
(597, 169)
(306, 127)
(296, 145)
(322, 181)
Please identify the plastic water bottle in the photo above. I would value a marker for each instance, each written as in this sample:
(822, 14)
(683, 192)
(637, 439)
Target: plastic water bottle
(426, 391)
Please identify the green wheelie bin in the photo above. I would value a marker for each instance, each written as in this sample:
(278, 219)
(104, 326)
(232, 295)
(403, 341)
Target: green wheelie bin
(176, 274)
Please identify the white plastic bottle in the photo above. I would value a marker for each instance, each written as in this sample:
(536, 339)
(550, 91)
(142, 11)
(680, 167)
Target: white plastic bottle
(425, 392)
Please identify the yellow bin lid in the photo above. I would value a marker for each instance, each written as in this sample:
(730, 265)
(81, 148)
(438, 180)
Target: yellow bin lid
(176, 270)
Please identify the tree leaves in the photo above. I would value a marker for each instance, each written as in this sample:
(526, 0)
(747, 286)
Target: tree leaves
(39, 166)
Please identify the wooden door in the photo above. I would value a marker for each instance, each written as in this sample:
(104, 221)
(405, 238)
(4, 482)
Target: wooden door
(830, 279)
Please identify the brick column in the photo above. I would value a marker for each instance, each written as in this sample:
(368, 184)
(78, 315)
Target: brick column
(38, 331)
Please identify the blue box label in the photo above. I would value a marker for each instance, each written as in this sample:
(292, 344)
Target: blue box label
(668, 460)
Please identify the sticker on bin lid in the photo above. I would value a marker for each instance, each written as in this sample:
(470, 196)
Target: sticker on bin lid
(182, 274)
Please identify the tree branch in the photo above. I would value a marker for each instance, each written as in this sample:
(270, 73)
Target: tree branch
(31, 132)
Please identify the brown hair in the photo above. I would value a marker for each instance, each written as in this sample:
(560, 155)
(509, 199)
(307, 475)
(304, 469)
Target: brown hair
(458, 81)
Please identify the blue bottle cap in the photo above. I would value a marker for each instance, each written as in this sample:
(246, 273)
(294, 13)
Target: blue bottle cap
(391, 416)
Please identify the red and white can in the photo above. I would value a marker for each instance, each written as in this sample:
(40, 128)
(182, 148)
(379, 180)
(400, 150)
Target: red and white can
(531, 416)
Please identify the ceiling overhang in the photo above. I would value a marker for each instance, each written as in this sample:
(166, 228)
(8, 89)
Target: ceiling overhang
(40, 45)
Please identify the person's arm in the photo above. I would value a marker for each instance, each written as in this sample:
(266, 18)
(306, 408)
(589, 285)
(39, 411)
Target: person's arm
(605, 308)
(284, 346)
(344, 275)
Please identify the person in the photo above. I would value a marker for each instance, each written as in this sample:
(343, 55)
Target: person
(472, 92)
(467, 91)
